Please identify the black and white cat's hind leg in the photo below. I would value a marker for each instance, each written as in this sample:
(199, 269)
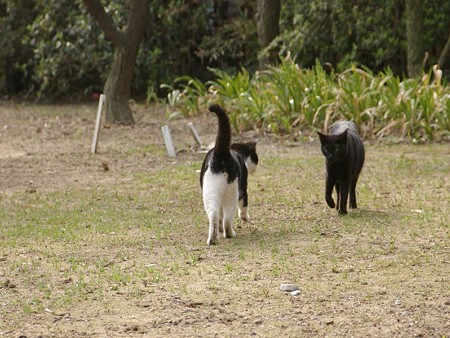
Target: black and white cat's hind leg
(229, 204)
(213, 191)
(213, 235)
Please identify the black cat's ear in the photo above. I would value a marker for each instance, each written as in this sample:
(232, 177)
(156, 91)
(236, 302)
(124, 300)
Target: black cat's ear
(343, 136)
(322, 137)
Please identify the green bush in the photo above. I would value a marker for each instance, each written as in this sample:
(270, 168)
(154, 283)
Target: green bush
(290, 99)
(366, 33)
(54, 49)
(66, 54)
(71, 56)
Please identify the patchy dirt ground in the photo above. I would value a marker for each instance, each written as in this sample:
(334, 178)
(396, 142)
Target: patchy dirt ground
(367, 275)
(50, 147)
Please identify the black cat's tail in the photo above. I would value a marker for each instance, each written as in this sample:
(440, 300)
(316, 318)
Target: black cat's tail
(223, 139)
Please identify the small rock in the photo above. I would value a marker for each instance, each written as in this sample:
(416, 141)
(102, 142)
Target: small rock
(398, 302)
(105, 166)
(295, 293)
(289, 287)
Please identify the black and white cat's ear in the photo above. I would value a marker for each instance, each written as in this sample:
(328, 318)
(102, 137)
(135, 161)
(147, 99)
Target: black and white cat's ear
(252, 144)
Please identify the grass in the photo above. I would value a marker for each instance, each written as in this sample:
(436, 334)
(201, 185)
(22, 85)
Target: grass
(139, 248)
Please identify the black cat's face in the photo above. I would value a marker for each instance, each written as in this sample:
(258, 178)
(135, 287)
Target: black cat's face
(248, 150)
(334, 147)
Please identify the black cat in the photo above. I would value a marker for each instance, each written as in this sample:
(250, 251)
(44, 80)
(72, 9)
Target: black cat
(344, 153)
(223, 179)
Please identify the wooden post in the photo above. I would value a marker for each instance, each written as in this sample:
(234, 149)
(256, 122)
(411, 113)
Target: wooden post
(101, 100)
(194, 133)
(168, 140)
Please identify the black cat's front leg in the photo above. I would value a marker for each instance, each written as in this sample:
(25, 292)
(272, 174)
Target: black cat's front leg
(338, 194)
(329, 190)
(353, 194)
(343, 196)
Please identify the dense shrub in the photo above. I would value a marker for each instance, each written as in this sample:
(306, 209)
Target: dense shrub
(67, 54)
(290, 99)
(54, 49)
(368, 33)
(70, 54)
(15, 16)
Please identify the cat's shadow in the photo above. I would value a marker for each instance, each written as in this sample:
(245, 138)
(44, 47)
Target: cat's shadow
(251, 231)
(376, 216)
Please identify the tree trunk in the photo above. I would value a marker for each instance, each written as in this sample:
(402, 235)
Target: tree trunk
(414, 36)
(117, 89)
(126, 43)
(444, 54)
(268, 26)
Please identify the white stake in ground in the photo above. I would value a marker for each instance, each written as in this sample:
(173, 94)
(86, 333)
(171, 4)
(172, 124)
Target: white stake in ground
(101, 100)
(168, 140)
(194, 133)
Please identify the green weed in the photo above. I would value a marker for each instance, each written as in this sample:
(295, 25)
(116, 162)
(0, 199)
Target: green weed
(286, 98)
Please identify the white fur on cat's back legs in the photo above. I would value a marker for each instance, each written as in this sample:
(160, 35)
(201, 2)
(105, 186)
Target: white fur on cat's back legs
(229, 204)
(213, 236)
(213, 211)
(220, 200)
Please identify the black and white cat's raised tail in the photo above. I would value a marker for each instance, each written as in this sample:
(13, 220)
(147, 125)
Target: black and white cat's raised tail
(344, 153)
(223, 179)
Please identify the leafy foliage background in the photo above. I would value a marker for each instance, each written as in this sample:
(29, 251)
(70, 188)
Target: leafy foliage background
(55, 49)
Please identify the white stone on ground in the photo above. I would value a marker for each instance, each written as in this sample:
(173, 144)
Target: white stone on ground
(289, 287)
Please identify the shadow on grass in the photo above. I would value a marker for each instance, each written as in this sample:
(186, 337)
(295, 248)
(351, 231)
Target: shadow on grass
(368, 215)
(325, 224)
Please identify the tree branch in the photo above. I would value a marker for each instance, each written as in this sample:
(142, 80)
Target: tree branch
(138, 18)
(444, 54)
(105, 22)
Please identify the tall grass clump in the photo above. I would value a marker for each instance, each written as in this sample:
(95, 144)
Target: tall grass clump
(287, 99)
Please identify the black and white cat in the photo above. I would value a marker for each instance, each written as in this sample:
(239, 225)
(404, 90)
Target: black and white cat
(223, 179)
(344, 153)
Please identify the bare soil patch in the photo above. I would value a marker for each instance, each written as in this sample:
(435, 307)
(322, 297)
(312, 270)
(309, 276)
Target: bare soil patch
(380, 272)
